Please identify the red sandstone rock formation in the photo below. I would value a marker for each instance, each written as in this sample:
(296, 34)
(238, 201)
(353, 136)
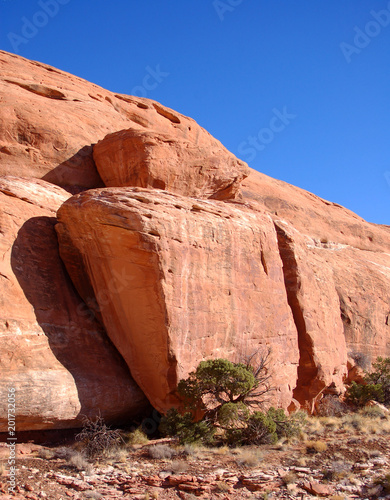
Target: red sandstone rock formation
(53, 352)
(271, 265)
(50, 120)
(169, 161)
(205, 280)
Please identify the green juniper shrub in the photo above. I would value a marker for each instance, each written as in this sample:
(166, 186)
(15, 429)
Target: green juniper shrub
(185, 428)
(260, 429)
(225, 394)
(380, 375)
(376, 385)
(360, 394)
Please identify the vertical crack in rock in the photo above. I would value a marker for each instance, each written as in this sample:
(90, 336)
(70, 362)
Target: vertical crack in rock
(307, 369)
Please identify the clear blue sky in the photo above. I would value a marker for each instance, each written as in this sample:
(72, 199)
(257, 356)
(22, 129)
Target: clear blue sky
(233, 65)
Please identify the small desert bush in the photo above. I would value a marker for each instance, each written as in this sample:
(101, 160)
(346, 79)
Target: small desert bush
(290, 478)
(93, 495)
(78, 461)
(186, 429)
(222, 487)
(315, 446)
(384, 481)
(178, 466)
(97, 438)
(137, 437)
(376, 385)
(360, 394)
(331, 406)
(46, 453)
(249, 457)
(65, 452)
(161, 451)
(373, 412)
(337, 470)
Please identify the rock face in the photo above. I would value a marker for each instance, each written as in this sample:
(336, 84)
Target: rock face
(50, 120)
(169, 161)
(205, 281)
(53, 352)
(314, 302)
(182, 253)
(356, 253)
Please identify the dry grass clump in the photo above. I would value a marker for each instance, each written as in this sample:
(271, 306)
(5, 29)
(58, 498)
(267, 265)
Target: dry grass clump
(190, 450)
(222, 487)
(116, 455)
(78, 461)
(366, 424)
(330, 423)
(177, 467)
(314, 426)
(290, 478)
(161, 451)
(46, 453)
(65, 452)
(316, 446)
(337, 470)
(137, 437)
(222, 451)
(249, 457)
(373, 412)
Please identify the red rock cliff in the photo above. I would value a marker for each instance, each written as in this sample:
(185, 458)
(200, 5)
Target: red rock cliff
(183, 253)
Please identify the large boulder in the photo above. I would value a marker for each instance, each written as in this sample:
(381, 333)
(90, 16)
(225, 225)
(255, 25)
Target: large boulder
(204, 280)
(50, 120)
(54, 353)
(169, 161)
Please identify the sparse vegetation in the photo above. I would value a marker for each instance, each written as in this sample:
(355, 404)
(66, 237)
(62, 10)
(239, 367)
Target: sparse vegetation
(376, 385)
(46, 453)
(316, 446)
(137, 437)
(78, 461)
(384, 481)
(249, 457)
(178, 466)
(93, 495)
(227, 394)
(161, 451)
(331, 406)
(222, 487)
(97, 438)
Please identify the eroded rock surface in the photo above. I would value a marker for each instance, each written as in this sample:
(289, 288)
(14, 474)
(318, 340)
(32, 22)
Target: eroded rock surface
(50, 120)
(175, 278)
(205, 281)
(170, 161)
(53, 351)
